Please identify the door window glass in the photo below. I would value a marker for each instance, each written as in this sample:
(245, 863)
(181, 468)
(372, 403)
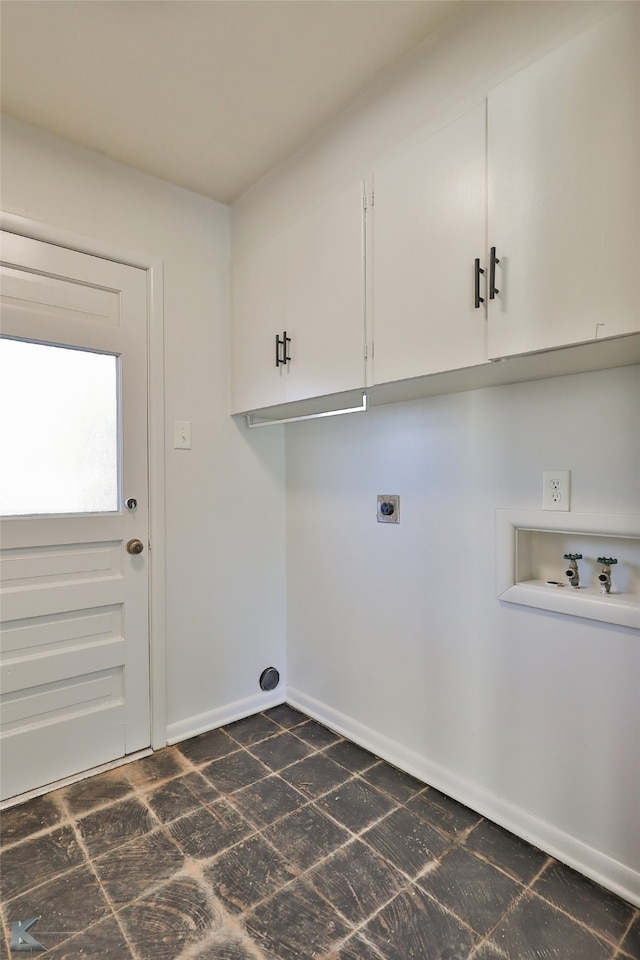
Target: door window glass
(58, 429)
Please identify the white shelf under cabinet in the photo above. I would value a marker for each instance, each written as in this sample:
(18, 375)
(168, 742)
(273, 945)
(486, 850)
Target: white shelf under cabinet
(530, 546)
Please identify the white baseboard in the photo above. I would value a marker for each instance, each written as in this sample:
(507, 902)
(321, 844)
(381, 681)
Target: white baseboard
(615, 876)
(237, 710)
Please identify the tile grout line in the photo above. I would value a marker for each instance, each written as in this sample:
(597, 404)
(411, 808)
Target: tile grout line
(88, 860)
(407, 889)
(512, 906)
(137, 789)
(301, 872)
(359, 928)
(136, 792)
(620, 951)
(621, 954)
(187, 869)
(193, 951)
(65, 821)
(69, 817)
(197, 872)
(528, 888)
(259, 829)
(600, 936)
(161, 827)
(305, 872)
(353, 776)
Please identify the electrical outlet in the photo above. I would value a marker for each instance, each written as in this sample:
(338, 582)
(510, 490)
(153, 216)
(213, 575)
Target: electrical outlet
(556, 490)
(388, 508)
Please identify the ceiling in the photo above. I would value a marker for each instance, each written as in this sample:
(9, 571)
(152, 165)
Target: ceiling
(208, 94)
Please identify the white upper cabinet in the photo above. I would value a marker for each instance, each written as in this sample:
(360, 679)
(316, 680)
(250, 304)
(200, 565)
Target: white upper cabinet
(512, 230)
(521, 232)
(429, 226)
(306, 284)
(564, 193)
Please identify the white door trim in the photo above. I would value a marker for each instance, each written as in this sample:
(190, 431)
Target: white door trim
(14, 223)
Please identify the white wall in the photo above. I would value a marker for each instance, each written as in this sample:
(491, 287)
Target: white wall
(395, 635)
(225, 498)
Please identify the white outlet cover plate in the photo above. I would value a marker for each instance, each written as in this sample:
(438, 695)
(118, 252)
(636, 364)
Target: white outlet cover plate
(556, 490)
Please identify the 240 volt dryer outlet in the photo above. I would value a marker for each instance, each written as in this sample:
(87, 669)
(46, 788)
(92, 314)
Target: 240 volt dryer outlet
(556, 490)
(388, 508)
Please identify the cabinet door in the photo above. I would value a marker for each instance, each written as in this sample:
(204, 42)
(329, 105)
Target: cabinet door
(325, 298)
(308, 280)
(258, 310)
(429, 225)
(564, 193)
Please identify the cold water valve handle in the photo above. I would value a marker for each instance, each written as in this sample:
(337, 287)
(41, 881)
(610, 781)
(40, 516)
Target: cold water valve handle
(572, 572)
(605, 576)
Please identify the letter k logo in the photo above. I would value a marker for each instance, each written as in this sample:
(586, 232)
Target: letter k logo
(21, 939)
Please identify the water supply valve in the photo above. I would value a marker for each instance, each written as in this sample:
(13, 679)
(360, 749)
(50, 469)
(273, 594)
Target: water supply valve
(572, 572)
(605, 576)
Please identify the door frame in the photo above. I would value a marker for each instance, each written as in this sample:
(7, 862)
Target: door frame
(154, 267)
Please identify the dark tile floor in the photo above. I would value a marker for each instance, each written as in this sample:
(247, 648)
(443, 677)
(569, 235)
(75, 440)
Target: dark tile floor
(275, 839)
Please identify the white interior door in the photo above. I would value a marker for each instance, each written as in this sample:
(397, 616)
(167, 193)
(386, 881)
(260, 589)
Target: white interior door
(73, 453)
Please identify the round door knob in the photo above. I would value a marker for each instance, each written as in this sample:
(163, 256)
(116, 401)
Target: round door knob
(135, 546)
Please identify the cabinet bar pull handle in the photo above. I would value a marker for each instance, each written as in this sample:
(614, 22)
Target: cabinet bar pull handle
(492, 274)
(479, 270)
(282, 357)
